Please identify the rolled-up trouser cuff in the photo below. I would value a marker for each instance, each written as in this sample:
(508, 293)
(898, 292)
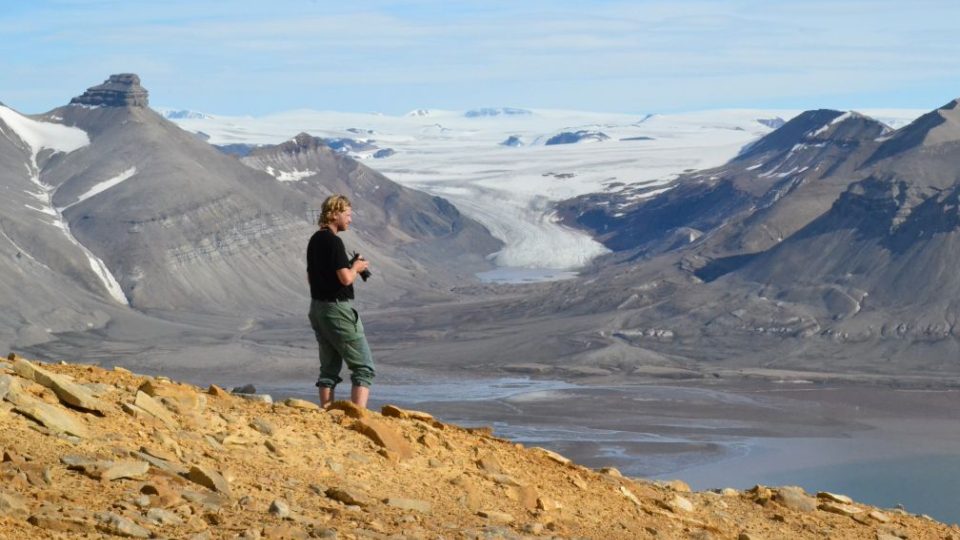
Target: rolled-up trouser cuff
(362, 376)
(326, 382)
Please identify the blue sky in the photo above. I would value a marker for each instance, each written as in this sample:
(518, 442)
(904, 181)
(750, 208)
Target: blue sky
(256, 57)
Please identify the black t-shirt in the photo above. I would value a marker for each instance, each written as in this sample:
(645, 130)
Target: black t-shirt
(325, 255)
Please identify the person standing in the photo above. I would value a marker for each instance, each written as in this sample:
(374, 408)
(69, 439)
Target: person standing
(333, 317)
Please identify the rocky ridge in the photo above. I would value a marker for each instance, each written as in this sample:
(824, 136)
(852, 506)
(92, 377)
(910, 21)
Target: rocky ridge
(120, 90)
(88, 451)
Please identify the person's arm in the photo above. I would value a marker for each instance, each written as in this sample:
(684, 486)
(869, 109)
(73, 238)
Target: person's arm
(348, 275)
(347, 271)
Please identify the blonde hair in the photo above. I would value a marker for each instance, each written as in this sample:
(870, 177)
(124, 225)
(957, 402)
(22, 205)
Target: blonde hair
(332, 206)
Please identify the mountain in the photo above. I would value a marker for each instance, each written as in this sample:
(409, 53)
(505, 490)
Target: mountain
(398, 221)
(69, 289)
(111, 205)
(939, 126)
(573, 137)
(772, 188)
(895, 235)
(827, 245)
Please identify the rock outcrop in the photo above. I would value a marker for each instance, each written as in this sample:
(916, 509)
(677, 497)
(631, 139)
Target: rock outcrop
(228, 467)
(121, 90)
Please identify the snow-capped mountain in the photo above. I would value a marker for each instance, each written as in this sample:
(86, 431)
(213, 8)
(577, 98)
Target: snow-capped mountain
(828, 244)
(513, 190)
(108, 206)
(774, 186)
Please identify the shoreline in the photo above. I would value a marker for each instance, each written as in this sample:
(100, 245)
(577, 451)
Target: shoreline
(732, 435)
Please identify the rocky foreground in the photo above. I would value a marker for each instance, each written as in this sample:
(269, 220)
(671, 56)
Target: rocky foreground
(91, 453)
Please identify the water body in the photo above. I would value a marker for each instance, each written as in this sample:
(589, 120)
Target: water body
(507, 274)
(880, 446)
(927, 484)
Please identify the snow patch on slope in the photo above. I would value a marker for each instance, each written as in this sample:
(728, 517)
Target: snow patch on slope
(289, 176)
(103, 186)
(44, 135)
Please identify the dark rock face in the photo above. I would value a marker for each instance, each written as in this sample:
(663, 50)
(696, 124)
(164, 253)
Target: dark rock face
(512, 140)
(936, 127)
(770, 190)
(569, 137)
(384, 153)
(236, 149)
(345, 145)
(121, 90)
(789, 134)
(772, 123)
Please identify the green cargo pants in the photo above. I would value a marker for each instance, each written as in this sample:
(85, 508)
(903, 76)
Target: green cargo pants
(340, 336)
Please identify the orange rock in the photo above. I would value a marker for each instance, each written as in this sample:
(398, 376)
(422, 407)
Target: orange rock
(385, 436)
(349, 408)
(397, 412)
(216, 391)
(490, 464)
(183, 398)
(209, 479)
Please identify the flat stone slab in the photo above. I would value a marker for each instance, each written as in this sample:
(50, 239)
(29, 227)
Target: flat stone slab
(301, 404)
(154, 408)
(795, 499)
(409, 504)
(54, 418)
(497, 517)
(129, 469)
(5, 381)
(552, 455)
(385, 436)
(118, 525)
(834, 497)
(160, 463)
(209, 479)
(348, 496)
(12, 504)
(160, 516)
(261, 398)
(396, 412)
(262, 426)
(840, 508)
(67, 391)
(110, 470)
(184, 398)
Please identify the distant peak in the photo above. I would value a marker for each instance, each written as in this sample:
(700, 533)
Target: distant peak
(120, 90)
(938, 126)
(185, 114)
(305, 141)
(496, 111)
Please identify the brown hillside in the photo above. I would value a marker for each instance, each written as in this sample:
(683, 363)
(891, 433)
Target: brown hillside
(91, 453)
